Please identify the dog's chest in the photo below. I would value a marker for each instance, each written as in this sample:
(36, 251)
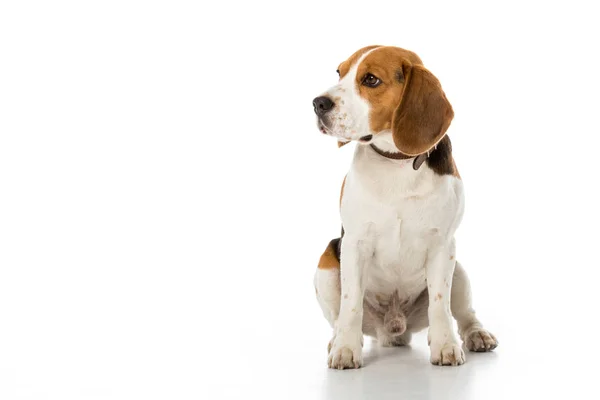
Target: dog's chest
(401, 213)
(400, 243)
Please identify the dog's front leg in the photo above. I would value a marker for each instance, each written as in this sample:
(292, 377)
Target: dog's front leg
(346, 345)
(444, 346)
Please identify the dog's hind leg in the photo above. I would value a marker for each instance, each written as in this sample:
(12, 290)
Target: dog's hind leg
(470, 328)
(327, 282)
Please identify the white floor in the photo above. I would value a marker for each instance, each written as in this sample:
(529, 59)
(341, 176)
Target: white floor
(171, 326)
(528, 364)
(138, 342)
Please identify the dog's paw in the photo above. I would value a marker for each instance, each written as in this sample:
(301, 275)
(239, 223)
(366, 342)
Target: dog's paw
(480, 340)
(448, 353)
(330, 344)
(344, 353)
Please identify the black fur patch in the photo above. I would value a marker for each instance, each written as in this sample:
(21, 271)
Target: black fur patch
(440, 159)
(336, 244)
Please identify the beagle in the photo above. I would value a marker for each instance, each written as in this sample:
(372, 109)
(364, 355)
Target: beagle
(394, 271)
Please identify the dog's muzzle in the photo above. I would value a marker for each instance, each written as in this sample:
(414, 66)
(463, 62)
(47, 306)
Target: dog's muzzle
(322, 105)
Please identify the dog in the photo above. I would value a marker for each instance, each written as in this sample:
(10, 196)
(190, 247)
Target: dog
(394, 271)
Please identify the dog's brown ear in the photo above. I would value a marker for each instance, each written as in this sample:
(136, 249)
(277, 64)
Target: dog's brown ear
(423, 115)
(340, 144)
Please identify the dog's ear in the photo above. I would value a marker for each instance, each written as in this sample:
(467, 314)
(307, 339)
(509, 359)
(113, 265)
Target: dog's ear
(340, 144)
(423, 115)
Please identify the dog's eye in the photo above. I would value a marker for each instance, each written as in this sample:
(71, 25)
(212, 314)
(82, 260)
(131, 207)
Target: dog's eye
(338, 71)
(371, 80)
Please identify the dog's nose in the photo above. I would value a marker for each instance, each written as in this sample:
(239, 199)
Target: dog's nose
(322, 105)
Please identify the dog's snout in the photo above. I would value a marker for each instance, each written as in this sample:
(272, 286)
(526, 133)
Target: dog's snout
(322, 105)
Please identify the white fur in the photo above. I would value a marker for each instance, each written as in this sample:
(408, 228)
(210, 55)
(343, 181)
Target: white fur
(350, 117)
(399, 235)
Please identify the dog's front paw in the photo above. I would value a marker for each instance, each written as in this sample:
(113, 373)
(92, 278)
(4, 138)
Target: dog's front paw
(345, 352)
(448, 353)
(480, 340)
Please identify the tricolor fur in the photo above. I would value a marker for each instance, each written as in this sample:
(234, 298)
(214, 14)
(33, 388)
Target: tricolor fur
(394, 270)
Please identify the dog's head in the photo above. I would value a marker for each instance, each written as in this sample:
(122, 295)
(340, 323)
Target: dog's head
(383, 89)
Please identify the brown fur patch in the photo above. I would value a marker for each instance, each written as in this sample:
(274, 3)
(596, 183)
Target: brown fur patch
(346, 65)
(386, 63)
(456, 173)
(409, 100)
(331, 256)
(424, 114)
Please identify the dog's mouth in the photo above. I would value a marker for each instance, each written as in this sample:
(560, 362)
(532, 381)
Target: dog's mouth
(324, 129)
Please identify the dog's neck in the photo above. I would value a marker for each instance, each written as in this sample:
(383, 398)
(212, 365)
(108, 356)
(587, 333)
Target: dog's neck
(385, 147)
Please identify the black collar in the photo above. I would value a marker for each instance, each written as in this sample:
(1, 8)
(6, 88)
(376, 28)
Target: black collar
(419, 160)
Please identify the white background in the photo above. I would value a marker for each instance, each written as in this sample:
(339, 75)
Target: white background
(165, 196)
